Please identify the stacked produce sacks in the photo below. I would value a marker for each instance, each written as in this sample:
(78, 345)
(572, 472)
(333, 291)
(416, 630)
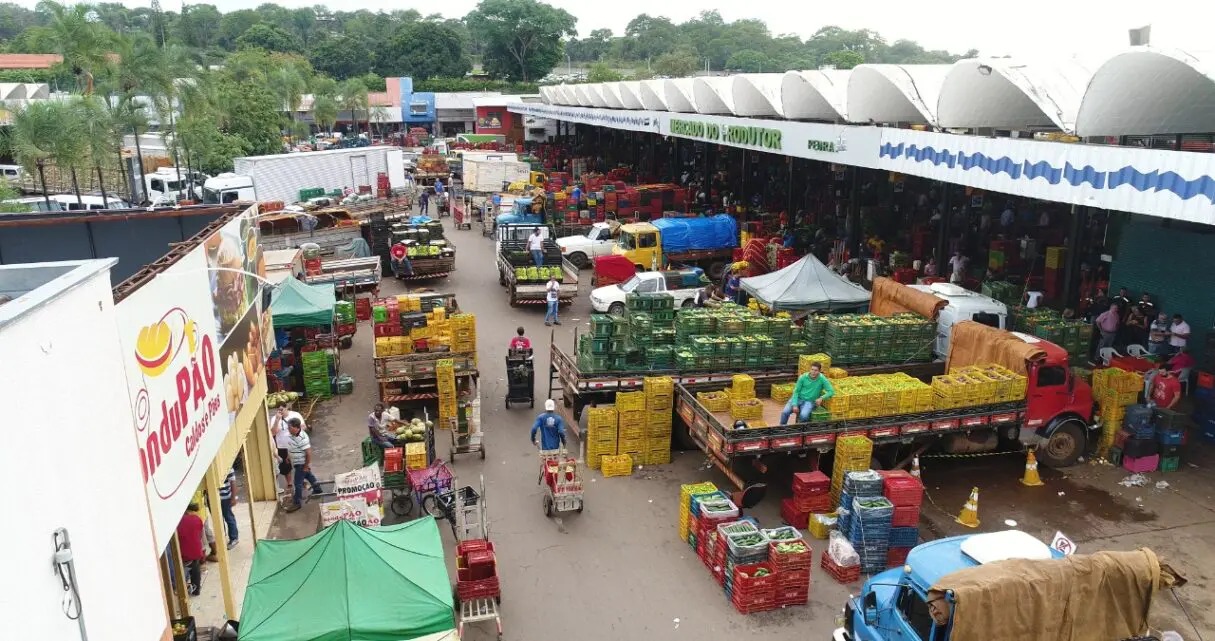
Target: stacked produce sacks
(811, 495)
(906, 493)
(601, 434)
(659, 407)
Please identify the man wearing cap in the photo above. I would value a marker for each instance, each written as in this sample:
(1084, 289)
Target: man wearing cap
(551, 428)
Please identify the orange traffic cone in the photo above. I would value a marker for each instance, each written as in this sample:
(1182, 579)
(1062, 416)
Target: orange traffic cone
(969, 516)
(1031, 477)
(915, 467)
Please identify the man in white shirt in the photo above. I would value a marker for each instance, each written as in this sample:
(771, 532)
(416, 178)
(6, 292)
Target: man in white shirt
(300, 450)
(1179, 334)
(535, 245)
(957, 265)
(552, 297)
(282, 439)
(1033, 299)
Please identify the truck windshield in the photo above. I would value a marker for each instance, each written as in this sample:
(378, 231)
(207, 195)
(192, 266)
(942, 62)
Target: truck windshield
(630, 284)
(628, 241)
(593, 234)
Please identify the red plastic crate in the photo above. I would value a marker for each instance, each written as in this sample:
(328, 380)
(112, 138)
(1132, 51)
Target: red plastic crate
(811, 482)
(472, 545)
(746, 583)
(383, 330)
(786, 579)
(841, 575)
(482, 589)
(813, 503)
(793, 516)
(906, 516)
(1206, 379)
(905, 491)
(896, 557)
(754, 605)
(785, 562)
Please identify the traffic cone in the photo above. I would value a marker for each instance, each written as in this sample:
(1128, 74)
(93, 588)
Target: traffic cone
(1031, 477)
(915, 467)
(969, 516)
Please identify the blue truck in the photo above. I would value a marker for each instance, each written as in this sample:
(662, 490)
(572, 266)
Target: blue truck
(959, 588)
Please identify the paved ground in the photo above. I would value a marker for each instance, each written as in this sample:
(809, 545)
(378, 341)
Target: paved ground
(618, 570)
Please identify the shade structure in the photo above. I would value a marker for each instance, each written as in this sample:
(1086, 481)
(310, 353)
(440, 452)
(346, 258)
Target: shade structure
(297, 304)
(807, 285)
(350, 583)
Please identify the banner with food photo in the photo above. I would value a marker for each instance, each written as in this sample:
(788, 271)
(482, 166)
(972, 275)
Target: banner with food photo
(243, 360)
(237, 268)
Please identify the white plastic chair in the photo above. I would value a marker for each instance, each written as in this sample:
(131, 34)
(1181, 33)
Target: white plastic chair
(1106, 354)
(1183, 377)
(1138, 351)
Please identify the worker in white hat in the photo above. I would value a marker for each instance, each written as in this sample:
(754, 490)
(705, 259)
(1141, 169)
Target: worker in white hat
(551, 427)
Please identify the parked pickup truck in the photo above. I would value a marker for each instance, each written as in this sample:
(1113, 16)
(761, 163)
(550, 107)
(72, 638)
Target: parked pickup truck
(513, 254)
(982, 586)
(1055, 416)
(597, 241)
(610, 298)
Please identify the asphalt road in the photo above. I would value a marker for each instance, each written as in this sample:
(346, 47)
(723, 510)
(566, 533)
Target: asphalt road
(618, 569)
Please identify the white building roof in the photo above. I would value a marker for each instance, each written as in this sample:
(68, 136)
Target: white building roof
(1008, 93)
(1147, 91)
(677, 94)
(757, 94)
(714, 94)
(815, 94)
(464, 99)
(895, 93)
(630, 94)
(611, 94)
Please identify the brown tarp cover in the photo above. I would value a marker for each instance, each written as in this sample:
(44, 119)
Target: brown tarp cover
(891, 297)
(1095, 597)
(972, 343)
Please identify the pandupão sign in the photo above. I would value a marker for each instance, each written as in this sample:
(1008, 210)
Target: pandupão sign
(741, 135)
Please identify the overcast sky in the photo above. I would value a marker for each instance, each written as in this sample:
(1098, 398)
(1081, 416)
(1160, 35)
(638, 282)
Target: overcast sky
(1022, 27)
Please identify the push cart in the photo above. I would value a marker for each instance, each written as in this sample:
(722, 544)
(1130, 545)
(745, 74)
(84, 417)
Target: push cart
(463, 509)
(417, 487)
(562, 480)
(520, 378)
(477, 591)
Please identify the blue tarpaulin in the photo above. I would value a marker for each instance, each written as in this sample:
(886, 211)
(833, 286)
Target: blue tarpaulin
(690, 234)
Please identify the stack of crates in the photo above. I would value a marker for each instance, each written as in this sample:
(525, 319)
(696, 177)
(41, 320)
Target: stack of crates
(782, 392)
(1115, 389)
(601, 434)
(415, 456)
(463, 329)
(804, 361)
(852, 454)
(445, 375)
(632, 424)
(1003, 291)
(659, 406)
(685, 505)
(316, 373)
(742, 387)
(604, 347)
(868, 338)
(743, 404)
(814, 333)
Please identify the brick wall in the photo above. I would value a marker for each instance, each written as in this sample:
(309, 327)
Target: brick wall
(1175, 262)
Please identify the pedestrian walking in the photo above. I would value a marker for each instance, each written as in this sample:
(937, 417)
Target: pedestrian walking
(1107, 323)
(551, 427)
(424, 202)
(190, 540)
(552, 297)
(227, 498)
(301, 462)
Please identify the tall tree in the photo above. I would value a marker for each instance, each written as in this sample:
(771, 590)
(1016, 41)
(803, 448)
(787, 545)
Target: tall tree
(288, 85)
(101, 136)
(522, 38)
(33, 133)
(82, 42)
(352, 96)
(424, 50)
(199, 25)
(268, 37)
(340, 56)
(324, 103)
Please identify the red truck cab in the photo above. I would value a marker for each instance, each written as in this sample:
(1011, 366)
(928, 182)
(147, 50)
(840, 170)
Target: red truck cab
(1059, 406)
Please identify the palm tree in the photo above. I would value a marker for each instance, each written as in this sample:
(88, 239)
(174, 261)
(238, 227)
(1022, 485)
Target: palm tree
(288, 86)
(353, 96)
(32, 132)
(79, 39)
(173, 70)
(100, 132)
(324, 103)
(138, 68)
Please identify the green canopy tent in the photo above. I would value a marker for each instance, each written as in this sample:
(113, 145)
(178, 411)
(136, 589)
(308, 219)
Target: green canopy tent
(350, 583)
(297, 304)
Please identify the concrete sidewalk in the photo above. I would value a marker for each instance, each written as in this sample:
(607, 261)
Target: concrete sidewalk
(208, 607)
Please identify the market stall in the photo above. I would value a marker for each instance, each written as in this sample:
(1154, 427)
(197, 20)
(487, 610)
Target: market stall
(309, 325)
(807, 285)
(348, 582)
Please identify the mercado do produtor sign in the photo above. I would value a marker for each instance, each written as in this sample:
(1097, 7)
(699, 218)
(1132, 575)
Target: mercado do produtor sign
(175, 381)
(729, 134)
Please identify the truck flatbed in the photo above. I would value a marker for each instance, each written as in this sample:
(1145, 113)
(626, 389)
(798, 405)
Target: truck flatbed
(411, 377)
(348, 272)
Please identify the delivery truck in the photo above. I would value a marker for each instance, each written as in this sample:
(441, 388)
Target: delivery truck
(281, 177)
(491, 175)
(1048, 408)
(525, 282)
(701, 242)
(1008, 586)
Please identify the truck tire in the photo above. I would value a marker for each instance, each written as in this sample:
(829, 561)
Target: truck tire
(688, 303)
(579, 260)
(616, 309)
(1064, 445)
(502, 278)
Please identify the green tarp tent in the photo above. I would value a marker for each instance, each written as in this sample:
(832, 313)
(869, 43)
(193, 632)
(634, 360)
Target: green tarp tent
(349, 583)
(297, 304)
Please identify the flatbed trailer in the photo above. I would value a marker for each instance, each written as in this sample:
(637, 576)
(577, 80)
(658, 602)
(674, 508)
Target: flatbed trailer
(359, 273)
(409, 378)
(734, 451)
(578, 389)
(536, 293)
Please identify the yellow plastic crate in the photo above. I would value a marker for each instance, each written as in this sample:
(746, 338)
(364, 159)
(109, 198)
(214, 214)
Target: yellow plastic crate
(415, 456)
(834, 373)
(804, 362)
(630, 401)
(818, 529)
(602, 416)
(742, 387)
(747, 410)
(658, 386)
(782, 392)
(659, 402)
(713, 401)
(617, 465)
(632, 418)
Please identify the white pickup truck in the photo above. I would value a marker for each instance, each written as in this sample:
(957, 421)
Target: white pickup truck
(611, 299)
(597, 241)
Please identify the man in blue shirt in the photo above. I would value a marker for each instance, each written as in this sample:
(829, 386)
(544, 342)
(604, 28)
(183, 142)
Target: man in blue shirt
(551, 428)
(577, 196)
(439, 186)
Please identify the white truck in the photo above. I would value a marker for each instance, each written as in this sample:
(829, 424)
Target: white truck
(597, 241)
(167, 185)
(611, 298)
(282, 176)
(489, 175)
(962, 304)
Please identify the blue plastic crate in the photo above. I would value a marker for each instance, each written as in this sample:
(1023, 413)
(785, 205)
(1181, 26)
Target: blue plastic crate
(863, 483)
(845, 501)
(1170, 437)
(904, 537)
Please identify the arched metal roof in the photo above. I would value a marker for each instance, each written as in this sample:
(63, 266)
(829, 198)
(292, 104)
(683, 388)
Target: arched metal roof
(558, 95)
(714, 95)
(611, 93)
(547, 93)
(595, 92)
(757, 94)
(653, 94)
(895, 93)
(814, 95)
(1013, 94)
(630, 94)
(679, 94)
(1149, 91)
(583, 96)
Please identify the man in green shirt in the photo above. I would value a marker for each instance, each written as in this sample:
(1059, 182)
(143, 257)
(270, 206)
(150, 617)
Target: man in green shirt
(811, 391)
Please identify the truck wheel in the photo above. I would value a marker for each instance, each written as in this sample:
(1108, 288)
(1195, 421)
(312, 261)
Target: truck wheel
(688, 303)
(1065, 445)
(579, 260)
(616, 309)
(501, 278)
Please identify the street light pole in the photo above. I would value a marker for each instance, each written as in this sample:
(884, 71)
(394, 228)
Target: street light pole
(569, 65)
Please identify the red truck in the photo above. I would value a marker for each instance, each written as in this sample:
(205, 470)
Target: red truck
(1056, 415)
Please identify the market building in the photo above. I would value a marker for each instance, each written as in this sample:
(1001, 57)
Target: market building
(456, 112)
(1094, 184)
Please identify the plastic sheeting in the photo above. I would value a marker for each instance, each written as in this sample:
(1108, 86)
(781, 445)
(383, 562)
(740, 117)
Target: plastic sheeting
(357, 248)
(974, 343)
(692, 234)
(891, 297)
(806, 285)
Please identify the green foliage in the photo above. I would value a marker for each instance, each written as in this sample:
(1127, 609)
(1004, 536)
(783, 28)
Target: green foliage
(749, 61)
(269, 38)
(844, 59)
(423, 50)
(602, 72)
(676, 64)
(521, 38)
(340, 56)
(475, 84)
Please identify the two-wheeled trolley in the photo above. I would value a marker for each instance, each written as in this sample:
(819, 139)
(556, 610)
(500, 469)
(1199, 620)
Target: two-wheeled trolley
(477, 592)
(562, 480)
(520, 378)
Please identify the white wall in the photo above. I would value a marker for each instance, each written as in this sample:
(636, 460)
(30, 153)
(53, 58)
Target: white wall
(70, 460)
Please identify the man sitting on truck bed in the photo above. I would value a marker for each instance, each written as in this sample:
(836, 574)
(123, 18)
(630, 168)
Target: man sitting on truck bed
(811, 391)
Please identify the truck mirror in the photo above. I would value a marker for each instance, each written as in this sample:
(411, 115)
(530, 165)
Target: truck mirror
(870, 609)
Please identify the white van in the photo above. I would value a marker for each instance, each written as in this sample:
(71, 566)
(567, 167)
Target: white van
(12, 173)
(69, 202)
(963, 304)
(228, 188)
